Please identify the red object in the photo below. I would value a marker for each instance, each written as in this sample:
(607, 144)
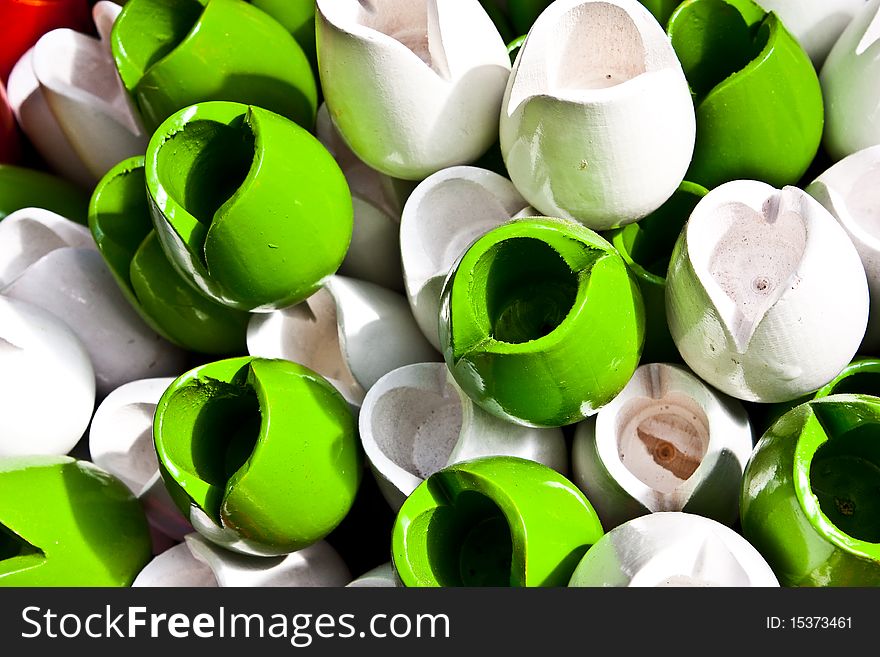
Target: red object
(8, 134)
(23, 22)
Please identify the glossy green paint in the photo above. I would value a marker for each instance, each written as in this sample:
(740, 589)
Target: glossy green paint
(119, 218)
(646, 247)
(174, 53)
(757, 97)
(26, 188)
(266, 448)
(65, 522)
(541, 322)
(248, 206)
(298, 18)
(494, 521)
(809, 498)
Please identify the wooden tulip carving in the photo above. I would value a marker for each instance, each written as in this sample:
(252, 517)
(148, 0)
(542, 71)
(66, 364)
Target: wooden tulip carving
(415, 421)
(59, 269)
(43, 364)
(673, 549)
(198, 563)
(9, 146)
(349, 331)
(71, 103)
(443, 215)
(850, 190)
(668, 442)
(413, 86)
(766, 296)
(597, 122)
(121, 442)
(377, 200)
(850, 81)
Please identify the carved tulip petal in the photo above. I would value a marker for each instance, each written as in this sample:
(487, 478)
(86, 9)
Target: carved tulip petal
(597, 122)
(121, 442)
(766, 296)
(198, 563)
(48, 385)
(79, 81)
(443, 68)
(850, 81)
(74, 284)
(668, 442)
(441, 218)
(673, 549)
(37, 121)
(415, 421)
(374, 253)
(850, 190)
(351, 332)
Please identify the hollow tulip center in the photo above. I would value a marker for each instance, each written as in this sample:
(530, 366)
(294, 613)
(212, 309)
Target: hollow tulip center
(863, 201)
(205, 163)
(529, 289)
(406, 21)
(755, 258)
(417, 429)
(662, 442)
(471, 544)
(845, 478)
(616, 52)
(211, 428)
(713, 41)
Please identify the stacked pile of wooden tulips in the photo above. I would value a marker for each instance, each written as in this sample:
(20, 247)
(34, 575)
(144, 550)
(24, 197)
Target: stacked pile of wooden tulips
(316, 293)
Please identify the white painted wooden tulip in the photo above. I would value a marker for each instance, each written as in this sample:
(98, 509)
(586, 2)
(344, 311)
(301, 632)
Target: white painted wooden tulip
(379, 577)
(51, 262)
(816, 24)
(413, 86)
(597, 123)
(673, 550)
(766, 296)
(667, 442)
(74, 76)
(48, 385)
(850, 81)
(416, 420)
(374, 252)
(850, 191)
(350, 332)
(442, 217)
(121, 442)
(198, 563)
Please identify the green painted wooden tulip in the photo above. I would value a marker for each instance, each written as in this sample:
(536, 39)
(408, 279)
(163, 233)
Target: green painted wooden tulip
(757, 97)
(541, 322)
(65, 522)
(26, 188)
(809, 497)
(495, 521)
(174, 53)
(646, 247)
(261, 455)
(247, 205)
(119, 218)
